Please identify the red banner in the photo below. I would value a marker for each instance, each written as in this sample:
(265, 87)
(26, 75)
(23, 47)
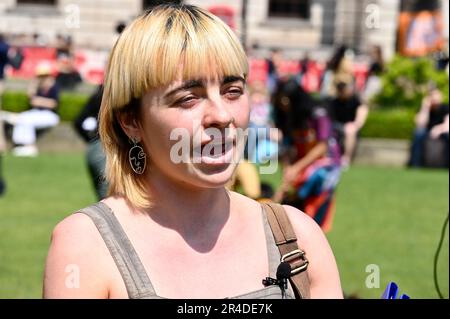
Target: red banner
(310, 80)
(33, 56)
(89, 63)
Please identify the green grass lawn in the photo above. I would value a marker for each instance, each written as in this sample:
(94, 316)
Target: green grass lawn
(391, 218)
(41, 191)
(388, 217)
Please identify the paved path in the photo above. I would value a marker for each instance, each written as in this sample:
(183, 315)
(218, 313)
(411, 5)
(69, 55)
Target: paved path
(59, 139)
(62, 138)
(382, 152)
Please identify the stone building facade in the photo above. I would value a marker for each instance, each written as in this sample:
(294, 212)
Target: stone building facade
(315, 26)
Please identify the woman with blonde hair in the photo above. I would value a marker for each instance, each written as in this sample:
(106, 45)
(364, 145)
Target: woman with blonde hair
(169, 228)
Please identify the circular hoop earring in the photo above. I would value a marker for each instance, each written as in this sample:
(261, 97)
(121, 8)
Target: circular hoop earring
(137, 157)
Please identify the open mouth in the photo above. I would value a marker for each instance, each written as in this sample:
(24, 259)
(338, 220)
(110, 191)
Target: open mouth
(217, 153)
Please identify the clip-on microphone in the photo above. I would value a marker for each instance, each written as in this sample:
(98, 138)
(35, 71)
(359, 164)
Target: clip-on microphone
(283, 274)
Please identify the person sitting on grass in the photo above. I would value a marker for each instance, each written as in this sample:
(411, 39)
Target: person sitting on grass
(432, 124)
(44, 97)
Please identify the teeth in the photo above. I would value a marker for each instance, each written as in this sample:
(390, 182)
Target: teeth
(215, 149)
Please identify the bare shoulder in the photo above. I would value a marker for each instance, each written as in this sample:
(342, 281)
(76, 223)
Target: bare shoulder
(73, 226)
(322, 270)
(306, 229)
(76, 260)
(245, 203)
(78, 234)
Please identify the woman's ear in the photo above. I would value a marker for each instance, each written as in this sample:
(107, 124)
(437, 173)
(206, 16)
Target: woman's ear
(129, 124)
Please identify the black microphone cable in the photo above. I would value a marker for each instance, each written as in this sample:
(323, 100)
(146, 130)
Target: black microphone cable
(436, 257)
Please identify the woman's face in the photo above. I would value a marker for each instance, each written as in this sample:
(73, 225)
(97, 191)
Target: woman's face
(46, 81)
(189, 129)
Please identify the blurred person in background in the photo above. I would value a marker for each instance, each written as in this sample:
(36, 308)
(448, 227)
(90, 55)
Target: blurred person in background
(261, 125)
(86, 124)
(4, 49)
(305, 63)
(246, 180)
(441, 60)
(68, 77)
(273, 62)
(44, 97)
(349, 114)
(339, 69)
(377, 62)
(430, 138)
(261, 146)
(63, 46)
(311, 154)
(373, 83)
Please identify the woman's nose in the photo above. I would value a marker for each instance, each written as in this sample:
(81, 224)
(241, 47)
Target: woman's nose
(217, 114)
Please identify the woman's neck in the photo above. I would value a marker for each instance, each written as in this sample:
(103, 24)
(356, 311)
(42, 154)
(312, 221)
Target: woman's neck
(188, 210)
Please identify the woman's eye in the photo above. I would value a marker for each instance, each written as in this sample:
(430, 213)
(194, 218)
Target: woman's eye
(186, 101)
(234, 93)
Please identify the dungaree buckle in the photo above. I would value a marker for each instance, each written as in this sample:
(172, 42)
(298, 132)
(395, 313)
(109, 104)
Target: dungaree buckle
(292, 257)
